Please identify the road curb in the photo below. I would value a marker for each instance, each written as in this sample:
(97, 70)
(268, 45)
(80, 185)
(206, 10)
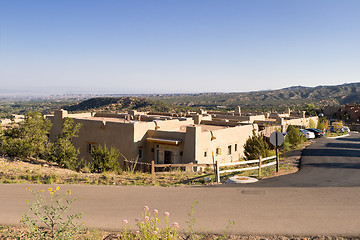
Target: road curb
(346, 135)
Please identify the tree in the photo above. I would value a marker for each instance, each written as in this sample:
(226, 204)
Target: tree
(27, 138)
(310, 109)
(311, 123)
(293, 136)
(255, 146)
(104, 159)
(323, 124)
(62, 151)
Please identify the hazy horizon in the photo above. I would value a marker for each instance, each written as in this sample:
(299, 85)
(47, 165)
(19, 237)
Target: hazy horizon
(144, 47)
(45, 94)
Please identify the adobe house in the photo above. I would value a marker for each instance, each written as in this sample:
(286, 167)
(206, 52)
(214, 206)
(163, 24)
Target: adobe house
(169, 138)
(162, 138)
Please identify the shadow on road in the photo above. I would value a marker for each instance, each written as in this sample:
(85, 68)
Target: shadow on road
(348, 139)
(343, 145)
(314, 152)
(335, 165)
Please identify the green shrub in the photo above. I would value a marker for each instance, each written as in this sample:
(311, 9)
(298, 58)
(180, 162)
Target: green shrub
(285, 147)
(104, 160)
(27, 138)
(293, 136)
(323, 124)
(311, 124)
(255, 146)
(62, 151)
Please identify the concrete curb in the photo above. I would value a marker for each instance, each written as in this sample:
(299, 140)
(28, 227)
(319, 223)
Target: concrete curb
(346, 135)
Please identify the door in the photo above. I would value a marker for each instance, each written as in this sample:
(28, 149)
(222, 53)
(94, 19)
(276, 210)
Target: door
(167, 157)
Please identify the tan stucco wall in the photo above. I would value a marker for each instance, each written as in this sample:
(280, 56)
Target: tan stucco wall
(304, 122)
(224, 137)
(129, 137)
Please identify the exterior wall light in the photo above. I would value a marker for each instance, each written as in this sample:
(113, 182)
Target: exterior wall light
(156, 125)
(212, 136)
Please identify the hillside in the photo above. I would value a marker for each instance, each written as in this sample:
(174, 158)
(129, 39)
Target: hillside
(119, 104)
(295, 97)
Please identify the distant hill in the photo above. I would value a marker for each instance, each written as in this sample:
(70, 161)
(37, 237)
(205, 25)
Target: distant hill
(296, 97)
(119, 104)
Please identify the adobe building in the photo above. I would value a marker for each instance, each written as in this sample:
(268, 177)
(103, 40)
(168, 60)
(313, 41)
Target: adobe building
(170, 138)
(162, 138)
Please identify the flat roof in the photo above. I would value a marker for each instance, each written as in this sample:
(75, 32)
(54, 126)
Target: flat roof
(204, 128)
(106, 119)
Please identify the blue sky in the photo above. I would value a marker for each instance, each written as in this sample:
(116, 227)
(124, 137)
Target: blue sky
(177, 46)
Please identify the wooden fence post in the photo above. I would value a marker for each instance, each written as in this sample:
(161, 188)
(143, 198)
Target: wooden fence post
(260, 158)
(153, 171)
(217, 174)
(277, 160)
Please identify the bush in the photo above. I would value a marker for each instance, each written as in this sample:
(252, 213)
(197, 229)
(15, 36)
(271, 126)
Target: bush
(323, 124)
(255, 146)
(104, 159)
(26, 139)
(62, 151)
(312, 124)
(293, 136)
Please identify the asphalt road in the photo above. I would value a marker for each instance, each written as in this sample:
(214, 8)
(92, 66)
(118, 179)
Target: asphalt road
(322, 199)
(327, 162)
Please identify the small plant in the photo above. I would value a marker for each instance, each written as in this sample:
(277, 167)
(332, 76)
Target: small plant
(130, 165)
(48, 218)
(191, 222)
(149, 227)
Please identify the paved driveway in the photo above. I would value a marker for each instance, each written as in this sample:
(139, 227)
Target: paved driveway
(325, 163)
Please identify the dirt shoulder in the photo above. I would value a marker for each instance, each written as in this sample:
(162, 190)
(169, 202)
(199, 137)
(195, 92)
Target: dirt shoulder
(35, 171)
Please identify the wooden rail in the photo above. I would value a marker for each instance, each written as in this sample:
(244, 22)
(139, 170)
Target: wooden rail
(217, 166)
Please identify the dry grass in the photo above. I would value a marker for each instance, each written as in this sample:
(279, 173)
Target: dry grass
(40, 172)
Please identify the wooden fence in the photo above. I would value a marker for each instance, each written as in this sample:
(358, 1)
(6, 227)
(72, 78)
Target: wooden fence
(217, 166)
(258, 161)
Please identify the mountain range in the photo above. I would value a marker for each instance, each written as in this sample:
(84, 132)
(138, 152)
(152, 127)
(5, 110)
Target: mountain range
(295, 97)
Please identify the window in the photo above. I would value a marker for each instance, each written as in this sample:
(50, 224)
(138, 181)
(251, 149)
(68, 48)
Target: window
(181, 153)
(229, 150)
(235, 147)
(205, 154)
(157, 155)
(90, 147)
(140, 153)
(218, 151)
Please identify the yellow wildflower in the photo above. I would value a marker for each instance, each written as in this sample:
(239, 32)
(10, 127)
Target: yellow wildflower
(51, 193)
(57, 188)
(49, 189)
(69, 192)
(42, 191)
(28, 188)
